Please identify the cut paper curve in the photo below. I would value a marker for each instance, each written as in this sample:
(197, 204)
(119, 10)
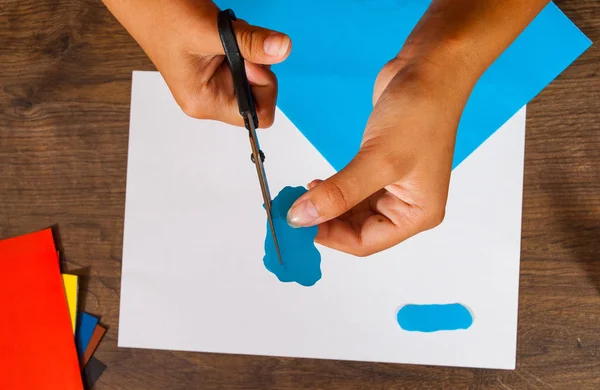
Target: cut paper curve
(301, 259)
(434, 318)
(339, 46)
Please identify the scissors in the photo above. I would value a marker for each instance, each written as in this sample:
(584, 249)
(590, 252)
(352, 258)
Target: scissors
(247, 108)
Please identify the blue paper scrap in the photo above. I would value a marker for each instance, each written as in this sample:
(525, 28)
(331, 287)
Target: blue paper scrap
(301, 259)
(338, 48)
(434, 318)
(86, 324)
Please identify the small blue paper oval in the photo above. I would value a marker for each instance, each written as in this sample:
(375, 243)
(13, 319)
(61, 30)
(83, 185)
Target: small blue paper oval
(433, 318)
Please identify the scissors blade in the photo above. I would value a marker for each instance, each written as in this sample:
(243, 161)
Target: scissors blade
(262, 178)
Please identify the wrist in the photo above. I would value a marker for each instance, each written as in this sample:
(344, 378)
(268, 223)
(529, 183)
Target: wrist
(164, 23)
(443, 68)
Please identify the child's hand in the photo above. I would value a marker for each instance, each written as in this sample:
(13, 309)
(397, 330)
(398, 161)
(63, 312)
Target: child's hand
(182, 40)
(397, 184)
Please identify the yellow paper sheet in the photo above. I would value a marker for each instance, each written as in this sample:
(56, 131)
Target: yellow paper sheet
(71, 287)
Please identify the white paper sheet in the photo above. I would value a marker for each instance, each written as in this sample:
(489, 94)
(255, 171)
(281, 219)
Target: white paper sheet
(193, 277)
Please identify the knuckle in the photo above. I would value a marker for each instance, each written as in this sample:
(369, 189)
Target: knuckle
(389, 167)
(249, 41)
(435, 216)
(363, 252)
(195, 104)
(191, 109)
(334, 195)
(370, 250)
(267, 118)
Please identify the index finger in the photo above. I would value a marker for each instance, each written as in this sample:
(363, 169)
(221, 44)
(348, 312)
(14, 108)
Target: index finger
(385, 222)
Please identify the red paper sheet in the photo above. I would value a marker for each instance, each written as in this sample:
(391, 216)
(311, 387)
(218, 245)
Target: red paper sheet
(37, 347)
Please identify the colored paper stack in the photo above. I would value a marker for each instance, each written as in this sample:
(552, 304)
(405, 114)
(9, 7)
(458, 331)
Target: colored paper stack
(45, 343)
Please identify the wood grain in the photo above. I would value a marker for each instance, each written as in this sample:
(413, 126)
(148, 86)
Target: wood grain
(64, 111)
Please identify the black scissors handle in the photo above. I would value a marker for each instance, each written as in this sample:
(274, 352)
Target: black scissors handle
(238, 68)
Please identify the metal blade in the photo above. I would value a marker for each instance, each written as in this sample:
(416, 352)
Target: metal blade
(262, 178)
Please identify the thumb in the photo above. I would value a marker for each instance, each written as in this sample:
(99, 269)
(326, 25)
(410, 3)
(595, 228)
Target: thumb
(260, 45)
(366, 174)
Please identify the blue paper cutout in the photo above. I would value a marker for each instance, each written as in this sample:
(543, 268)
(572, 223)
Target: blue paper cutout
(433, 318)
(339, 46)
(86, 323)
(301, 259)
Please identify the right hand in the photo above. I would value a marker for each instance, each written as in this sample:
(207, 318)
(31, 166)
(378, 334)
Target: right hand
(182, 40)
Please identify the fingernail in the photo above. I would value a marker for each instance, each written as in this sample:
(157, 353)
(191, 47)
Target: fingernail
(302, 214)
(276, 45)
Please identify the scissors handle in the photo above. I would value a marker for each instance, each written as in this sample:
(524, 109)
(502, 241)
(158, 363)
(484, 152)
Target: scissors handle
(238, 68)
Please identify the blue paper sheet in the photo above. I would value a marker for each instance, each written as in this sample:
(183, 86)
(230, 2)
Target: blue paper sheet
(339, 46)
(86, 324)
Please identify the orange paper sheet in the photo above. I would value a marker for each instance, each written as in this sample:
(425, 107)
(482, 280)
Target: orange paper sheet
(36, 339)
(97, 335)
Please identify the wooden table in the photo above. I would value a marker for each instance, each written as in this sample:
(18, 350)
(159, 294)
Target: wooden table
(65, 77)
